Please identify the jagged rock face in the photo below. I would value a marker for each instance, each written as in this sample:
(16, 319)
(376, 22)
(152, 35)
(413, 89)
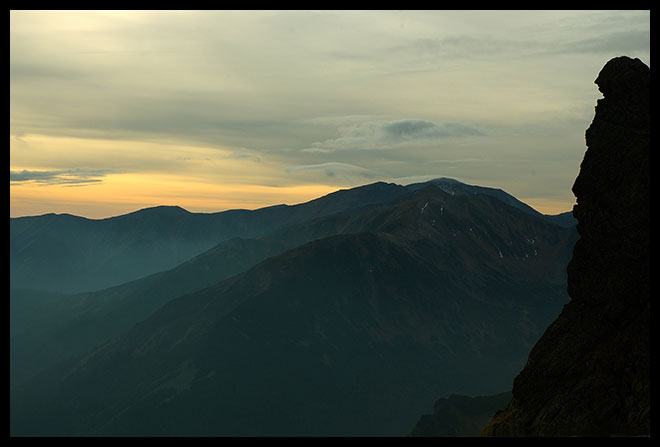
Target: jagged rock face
(589, 372)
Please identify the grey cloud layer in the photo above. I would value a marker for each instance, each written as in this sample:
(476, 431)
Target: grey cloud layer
(382, 134)
(187, 75)
(136, 76)
(319, 93)
(341, 173)
(586, 32)
(70, 177)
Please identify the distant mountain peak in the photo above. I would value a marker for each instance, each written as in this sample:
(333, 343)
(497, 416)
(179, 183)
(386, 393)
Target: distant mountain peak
(454, 187)
(170, 209)
(165, 211)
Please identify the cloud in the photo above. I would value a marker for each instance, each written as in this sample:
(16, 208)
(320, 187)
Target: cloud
(68, 177)
(29, 71)
(625, 42)
(462, 160)
(409, 180)
(331, 169)
(525, 35)
(341, 120)
(244, 154)
(324, 93)
(335, 172)
(381, 134)
(420, 129)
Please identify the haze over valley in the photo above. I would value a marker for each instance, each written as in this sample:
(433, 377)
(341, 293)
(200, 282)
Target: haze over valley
(366, 292)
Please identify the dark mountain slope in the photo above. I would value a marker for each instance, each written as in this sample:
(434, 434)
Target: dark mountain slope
(30, 310)
(562, 219)
(460, 415)
(60, 326)
(589, 373)
(70, 254)
(66, 253)
(47, 328)
(68, 325)
(346, 335)
(71, 325)
(453, 187)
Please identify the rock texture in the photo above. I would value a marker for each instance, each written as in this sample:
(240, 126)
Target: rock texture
(588, 375)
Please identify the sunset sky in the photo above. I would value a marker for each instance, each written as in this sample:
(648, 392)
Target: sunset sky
(113, 111)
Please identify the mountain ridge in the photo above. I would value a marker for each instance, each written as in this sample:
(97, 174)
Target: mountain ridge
(93, 254)
(444, 182)
(79, 322)
(96, 254)
(375, 295)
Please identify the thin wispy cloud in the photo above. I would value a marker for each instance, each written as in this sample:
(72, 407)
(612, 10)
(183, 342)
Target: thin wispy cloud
(69, 177)
(331, 169)
(343, 173)
(462, 160)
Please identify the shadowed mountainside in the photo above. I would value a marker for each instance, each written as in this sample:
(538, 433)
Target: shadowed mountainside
(69, 254)
(589, 372)
(47, 328)
(459, 415)
(344, 335)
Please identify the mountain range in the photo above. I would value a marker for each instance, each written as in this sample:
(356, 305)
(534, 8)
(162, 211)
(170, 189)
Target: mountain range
(346, 315)
(71, 254)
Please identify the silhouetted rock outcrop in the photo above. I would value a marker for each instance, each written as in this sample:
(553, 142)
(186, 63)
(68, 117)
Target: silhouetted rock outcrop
(589, 372)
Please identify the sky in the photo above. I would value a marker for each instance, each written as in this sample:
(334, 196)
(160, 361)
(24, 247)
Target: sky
(114, 111)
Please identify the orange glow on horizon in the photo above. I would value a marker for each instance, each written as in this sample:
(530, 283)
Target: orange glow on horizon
(123, 193)
(548, 206)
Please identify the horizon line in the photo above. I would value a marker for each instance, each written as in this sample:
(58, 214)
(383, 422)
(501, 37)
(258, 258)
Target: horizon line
(411, 181)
